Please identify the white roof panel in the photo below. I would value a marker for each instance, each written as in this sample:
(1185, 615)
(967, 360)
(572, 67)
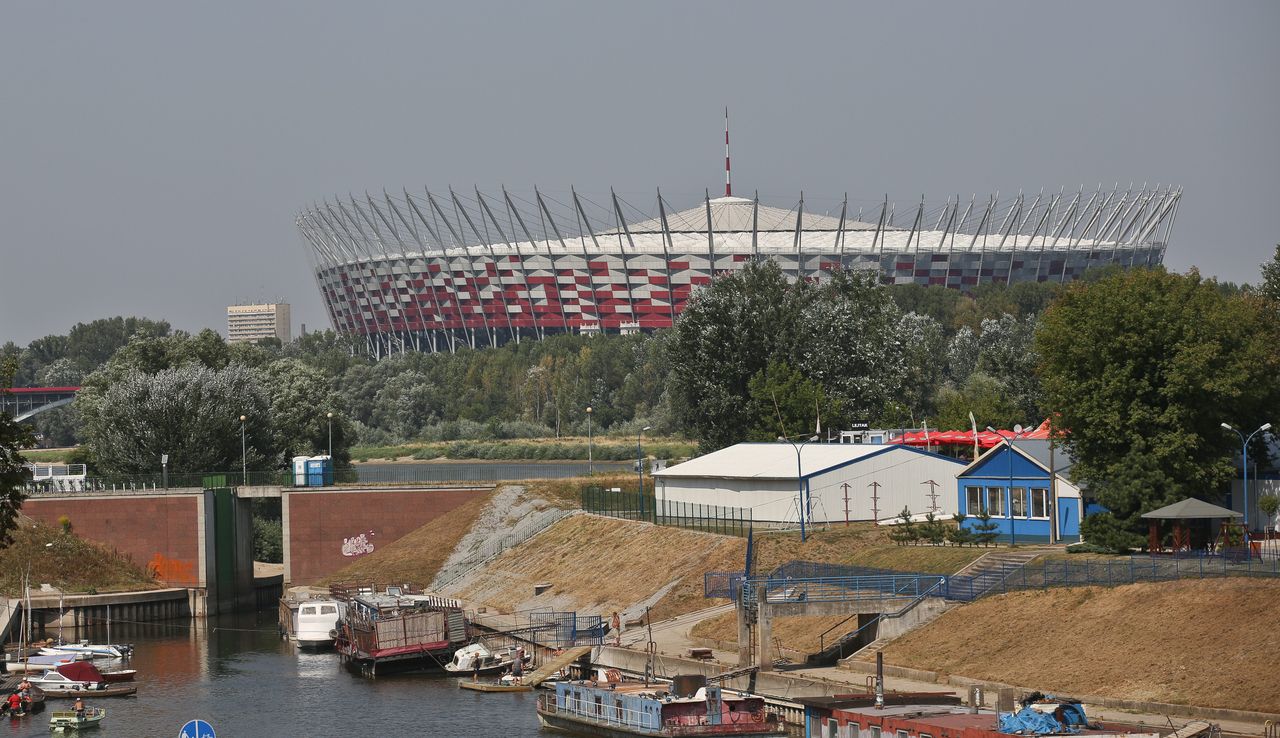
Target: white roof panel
(774, 460)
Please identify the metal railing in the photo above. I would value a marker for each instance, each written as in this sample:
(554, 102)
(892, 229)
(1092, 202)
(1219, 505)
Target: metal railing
(628, 505)
(1110, 573)
(842, 589)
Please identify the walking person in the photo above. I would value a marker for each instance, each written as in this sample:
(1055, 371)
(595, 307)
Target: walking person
(616, 623)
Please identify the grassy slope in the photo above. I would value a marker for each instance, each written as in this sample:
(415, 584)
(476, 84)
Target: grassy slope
(416, 557)
(860, 544)
(71, 563)
(798, 633)
(1202, 642)
(597, 565)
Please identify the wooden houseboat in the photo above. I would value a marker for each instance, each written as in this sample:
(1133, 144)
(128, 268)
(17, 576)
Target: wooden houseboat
(396, 627)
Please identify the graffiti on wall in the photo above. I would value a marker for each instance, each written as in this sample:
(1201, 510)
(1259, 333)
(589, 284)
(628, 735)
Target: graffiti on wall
(357, 545)
(171, 571)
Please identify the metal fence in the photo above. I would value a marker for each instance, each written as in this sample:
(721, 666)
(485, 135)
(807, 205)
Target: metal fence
(157, 482)
(844, 589)
(628, 505)
(564, 629)
(1110, 573)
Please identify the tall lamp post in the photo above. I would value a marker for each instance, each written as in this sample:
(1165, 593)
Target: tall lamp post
(590, 442)
(244, 456)
(1244, 453)
(329, 417)
(1013, 522)
(640, 467)
(800, 481)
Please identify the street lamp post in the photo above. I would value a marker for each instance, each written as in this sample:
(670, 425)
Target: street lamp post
(244, 456)
(1013, 522)
(590, 444)
(640, 467)
(329, 417)
(1244, 463)
(804, 504)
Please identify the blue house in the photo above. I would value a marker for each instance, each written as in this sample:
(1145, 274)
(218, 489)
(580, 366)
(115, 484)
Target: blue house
(1012, 484)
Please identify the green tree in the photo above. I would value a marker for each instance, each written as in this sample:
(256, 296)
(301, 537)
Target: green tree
(959, 535)
(1141, 368)
(191, 412)
(1270, 287)
(13, 473)
(988, 399)
(301, 400)
(933, 530)
(905, 532)
(785, 403)
(986, 530)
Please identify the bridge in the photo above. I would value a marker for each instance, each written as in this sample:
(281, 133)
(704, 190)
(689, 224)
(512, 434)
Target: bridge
(24, 402)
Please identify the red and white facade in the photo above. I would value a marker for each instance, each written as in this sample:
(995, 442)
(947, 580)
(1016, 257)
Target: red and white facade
(433, 272)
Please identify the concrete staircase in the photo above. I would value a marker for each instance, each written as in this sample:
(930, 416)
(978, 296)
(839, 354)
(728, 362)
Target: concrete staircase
(988, 573)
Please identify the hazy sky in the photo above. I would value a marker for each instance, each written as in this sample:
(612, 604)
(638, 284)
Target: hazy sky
(153, 155)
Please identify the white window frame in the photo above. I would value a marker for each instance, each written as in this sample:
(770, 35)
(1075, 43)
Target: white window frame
(1020, 496)
(1043, 494)
(832, 728)
(973, 501)
(996, 493)
(874, 730)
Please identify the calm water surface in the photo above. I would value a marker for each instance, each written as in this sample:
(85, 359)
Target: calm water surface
(238, 675)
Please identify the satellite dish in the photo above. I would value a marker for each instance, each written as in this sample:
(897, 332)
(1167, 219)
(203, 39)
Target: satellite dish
(1017, 428)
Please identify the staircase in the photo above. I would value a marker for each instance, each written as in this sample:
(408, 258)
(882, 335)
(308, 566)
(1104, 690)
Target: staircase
(989, 573)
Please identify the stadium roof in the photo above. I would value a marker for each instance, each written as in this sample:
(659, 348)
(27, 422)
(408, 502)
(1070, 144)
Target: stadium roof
(729, 214)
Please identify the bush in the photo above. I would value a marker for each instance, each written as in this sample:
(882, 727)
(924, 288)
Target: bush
(905, 531)
(65, 522)
(1087, 548)
(960, 535)
(985, 530)
(268, 541)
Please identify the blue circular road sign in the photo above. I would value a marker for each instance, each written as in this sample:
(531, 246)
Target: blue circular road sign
(197, 729)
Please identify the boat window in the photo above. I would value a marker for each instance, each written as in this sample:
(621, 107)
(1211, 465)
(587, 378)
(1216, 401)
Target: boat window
(903, 734)
(308, 610)
(832, 726)
(925, 735)
(875, 731)
(328, 610)
(617, 706)
(852, 730)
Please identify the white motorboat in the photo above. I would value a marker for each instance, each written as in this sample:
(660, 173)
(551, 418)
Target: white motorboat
(314, 623)
(478, 658)
(79, 678)
(94, 650)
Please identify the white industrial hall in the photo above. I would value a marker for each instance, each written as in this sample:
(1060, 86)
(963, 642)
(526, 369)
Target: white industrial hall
(840, 481)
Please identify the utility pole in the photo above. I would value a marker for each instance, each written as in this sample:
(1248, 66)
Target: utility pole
(845, 487)
(875, 500)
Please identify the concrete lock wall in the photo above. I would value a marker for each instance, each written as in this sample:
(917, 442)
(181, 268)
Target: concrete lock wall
(327, 529)
(163, 533)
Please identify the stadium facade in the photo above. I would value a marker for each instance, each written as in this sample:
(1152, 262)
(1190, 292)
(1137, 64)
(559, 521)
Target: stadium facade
(433, 272)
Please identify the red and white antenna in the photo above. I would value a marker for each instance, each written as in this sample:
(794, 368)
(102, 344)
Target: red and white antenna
(728, 185)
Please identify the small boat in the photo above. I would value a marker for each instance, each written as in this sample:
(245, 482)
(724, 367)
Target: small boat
(33, 702)
(621, 710)
(69, 720)
(43, 663)
(94, 650)
(80, 678)
(477, 658)
(119, 675)
(314, 623)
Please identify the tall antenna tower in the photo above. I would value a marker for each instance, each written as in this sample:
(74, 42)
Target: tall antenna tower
(728, 185)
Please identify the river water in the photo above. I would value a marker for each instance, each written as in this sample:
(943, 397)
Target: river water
(239, 676)
(481, 471)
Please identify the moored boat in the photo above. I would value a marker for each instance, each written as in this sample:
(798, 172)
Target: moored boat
(119, 675)
(478, 658)
(620, 710)
(80, 678)
(94, 650)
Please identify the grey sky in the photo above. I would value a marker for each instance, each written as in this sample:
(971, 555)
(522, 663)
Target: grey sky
(153, 155)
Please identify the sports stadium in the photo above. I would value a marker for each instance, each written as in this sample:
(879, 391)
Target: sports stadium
(436, 271)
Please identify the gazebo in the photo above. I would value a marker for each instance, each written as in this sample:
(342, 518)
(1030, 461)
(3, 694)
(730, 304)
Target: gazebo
(1180, 513)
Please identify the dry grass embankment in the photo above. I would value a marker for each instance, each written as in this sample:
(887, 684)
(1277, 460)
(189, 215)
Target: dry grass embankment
(71, 564)
(416, 557)
(598, 565)
(1205, 642)
(860, 544)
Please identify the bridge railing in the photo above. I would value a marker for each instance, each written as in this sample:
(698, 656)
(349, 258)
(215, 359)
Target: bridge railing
(156, 482)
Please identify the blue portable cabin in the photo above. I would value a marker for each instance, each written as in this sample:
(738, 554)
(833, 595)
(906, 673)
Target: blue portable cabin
(1013, 484)
(319, 471)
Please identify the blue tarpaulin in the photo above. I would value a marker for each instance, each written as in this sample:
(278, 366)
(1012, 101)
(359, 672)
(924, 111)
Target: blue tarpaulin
(1029, 721)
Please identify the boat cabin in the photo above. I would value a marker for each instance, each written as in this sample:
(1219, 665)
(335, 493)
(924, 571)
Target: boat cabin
(653, 708)
(839, 719)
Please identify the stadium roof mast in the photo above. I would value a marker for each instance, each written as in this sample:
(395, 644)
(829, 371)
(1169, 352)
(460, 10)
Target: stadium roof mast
(728, 183)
